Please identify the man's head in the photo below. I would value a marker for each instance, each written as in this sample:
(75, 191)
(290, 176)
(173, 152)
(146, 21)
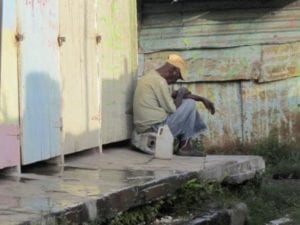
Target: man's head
(179, 63)
(174, 69)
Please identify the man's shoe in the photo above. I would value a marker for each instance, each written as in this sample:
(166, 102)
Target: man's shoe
(182, 152)
(188, 149)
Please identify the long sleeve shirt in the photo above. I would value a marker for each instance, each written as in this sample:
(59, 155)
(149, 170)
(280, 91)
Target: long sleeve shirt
(152, 101)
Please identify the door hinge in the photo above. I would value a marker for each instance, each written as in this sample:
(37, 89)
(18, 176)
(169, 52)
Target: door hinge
(98, 39)
(19, 37)
(61, 126)
(61, 40)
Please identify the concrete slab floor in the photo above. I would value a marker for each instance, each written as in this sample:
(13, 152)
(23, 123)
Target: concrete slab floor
(92, 184)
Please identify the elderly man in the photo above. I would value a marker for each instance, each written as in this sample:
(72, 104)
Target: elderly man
(154, 106)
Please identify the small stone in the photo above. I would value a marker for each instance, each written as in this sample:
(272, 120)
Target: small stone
(238, 214)
(166, 219)
(280, 221)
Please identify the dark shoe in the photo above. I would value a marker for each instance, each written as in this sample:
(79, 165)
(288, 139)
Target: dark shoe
(188, 149)
(192, 152)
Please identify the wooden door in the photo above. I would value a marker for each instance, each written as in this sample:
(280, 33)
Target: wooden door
(117, 24)
(9, 112)
(80, 81)
(40, 99)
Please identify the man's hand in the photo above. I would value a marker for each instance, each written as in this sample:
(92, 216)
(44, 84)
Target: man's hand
(180, 94)
(209, 105)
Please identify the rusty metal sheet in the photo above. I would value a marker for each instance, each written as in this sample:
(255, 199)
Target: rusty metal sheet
(225, 127)
(241, 63)
(271, 107)
(190, 25)
(280, 61)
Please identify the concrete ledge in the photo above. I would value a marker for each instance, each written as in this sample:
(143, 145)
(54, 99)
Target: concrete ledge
(235, 172)
(94, 186)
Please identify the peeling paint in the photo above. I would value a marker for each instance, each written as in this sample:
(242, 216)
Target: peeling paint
(215, 24)
(9, 10)
(9, 102)
(9, 145)
(40, 97)
(271, 107)
(280, 62)
(118, 64)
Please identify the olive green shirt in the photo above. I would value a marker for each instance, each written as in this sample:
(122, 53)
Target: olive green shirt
(152, 101)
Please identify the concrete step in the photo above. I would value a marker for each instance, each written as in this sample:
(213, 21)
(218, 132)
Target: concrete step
(92, 185)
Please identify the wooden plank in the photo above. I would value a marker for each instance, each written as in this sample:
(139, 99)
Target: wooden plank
(9, 145)
(78, 66)
(280, 62)
(40, 82)
(9, 112)
(118, 64)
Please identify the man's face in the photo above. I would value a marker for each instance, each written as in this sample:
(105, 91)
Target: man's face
(175, 75)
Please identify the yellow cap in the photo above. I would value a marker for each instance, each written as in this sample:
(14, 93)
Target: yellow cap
(179, 62)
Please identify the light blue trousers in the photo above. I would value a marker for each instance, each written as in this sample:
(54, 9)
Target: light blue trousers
(186, 121)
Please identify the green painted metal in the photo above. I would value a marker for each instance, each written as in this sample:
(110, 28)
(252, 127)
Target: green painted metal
(225, 127)
(192, 25)
(271, 108)
(243, 55)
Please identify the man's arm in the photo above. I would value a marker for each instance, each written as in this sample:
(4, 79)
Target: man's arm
(183, 93)
(208, 104)
(179, 95)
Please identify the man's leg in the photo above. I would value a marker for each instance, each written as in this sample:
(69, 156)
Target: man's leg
(186, 123)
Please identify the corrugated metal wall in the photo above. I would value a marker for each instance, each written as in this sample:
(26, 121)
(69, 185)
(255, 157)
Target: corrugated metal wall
(9, 112)
(211, 24)
(243, 55)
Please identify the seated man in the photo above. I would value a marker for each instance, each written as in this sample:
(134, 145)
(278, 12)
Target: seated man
(154, 106)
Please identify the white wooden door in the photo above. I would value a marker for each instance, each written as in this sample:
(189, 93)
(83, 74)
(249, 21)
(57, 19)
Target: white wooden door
(80, 81)
(40, 97)
(117, 24)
